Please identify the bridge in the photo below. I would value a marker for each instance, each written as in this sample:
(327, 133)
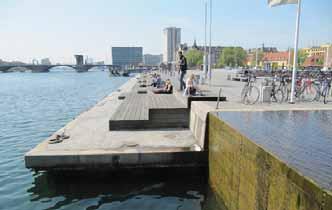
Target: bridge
(46, 68)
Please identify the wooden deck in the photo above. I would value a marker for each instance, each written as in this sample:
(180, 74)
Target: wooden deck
(142, 109)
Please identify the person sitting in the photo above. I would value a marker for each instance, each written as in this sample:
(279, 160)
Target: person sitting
(154, 80)
(158, 81)
(168, 88)
(190, 86)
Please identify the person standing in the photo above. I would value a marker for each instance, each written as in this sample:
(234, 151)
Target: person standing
(182, 70)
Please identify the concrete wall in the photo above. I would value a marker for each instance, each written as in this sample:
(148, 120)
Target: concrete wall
(245, 177)
(198, 116)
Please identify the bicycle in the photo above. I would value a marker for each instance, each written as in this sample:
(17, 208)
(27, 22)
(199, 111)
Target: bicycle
(323, 88)
(286, 86)
(304, 90)
(250, 93)
(277, 94)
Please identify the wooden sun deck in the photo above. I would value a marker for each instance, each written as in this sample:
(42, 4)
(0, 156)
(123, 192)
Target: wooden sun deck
(143, 109)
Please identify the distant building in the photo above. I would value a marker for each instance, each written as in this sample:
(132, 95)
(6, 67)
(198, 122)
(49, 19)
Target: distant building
(314, 61)
(45, 61)
(322, 52)
(262, 49)
(79, 60)
(88, 60)
(215, 51)
(152, 60)
(260, 53)
(277, 60)
(172, 41)
(99, 63)
(127, 56)
(251, 59)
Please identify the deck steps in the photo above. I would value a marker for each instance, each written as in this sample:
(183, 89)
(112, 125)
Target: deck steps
(142, 109)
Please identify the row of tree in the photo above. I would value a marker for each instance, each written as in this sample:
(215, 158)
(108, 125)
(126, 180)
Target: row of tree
(230, 56)
(235, 57)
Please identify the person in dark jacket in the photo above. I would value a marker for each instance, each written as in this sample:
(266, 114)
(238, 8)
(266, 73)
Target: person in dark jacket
(182, 70)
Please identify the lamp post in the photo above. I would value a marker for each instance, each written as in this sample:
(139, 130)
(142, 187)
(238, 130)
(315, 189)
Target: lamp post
(210, 45)
(205, 67)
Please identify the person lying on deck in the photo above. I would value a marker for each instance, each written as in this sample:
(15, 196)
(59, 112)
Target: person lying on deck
(168, 88)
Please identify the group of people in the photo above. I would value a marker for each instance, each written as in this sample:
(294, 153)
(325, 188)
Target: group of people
(189, 87)
(156, 81)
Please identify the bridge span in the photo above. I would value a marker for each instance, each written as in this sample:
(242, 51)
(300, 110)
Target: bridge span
(46, 68)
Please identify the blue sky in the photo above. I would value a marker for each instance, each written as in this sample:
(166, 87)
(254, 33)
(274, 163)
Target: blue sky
(60, 28)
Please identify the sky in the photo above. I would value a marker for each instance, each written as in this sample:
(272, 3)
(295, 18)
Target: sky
(58, 29)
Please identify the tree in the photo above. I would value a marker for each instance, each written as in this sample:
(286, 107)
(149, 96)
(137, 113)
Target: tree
(194, 58)
(320, 62)
(232, 56)
(301, 57)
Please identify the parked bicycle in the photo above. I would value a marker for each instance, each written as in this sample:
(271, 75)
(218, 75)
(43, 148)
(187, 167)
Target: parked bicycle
(305, 90)
(323, 88)
(277, 94)
(250, 93)
(286, 86)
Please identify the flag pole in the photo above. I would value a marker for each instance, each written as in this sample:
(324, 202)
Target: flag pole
(205, 67)
(298, 18)
(210, 48)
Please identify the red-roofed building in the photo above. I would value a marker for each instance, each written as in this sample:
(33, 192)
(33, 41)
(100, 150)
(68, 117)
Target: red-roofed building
(277, 60)
(314, 61)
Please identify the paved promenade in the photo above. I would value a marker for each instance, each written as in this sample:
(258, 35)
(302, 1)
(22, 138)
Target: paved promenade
(232, 91)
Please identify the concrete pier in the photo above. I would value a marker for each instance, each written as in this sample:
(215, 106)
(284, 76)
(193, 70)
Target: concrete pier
(99, 138)
(134, 128)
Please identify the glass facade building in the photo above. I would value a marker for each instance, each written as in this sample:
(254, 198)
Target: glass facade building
(127, 56)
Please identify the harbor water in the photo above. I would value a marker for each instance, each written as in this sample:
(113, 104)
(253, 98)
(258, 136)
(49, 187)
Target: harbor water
(32, 107)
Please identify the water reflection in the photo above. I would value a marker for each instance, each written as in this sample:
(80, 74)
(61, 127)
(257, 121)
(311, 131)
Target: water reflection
(162, 189)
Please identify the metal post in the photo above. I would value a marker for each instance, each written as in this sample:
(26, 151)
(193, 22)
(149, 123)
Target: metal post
(289, 59)
(296, 51)
(256, 67)
(210, 48)
(205, 69)
(327, 58)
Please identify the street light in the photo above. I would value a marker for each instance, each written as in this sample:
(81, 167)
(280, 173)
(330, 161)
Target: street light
(210, 49)
(205, 67)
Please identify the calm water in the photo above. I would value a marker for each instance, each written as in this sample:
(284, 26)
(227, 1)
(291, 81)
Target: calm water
(301, 138)
(32, 107)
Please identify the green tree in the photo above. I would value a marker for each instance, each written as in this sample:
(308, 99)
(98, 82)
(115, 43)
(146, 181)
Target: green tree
(194, 58)
(232, 56)
(301, 57)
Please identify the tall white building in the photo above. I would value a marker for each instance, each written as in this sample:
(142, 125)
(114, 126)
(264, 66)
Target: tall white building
(172, 41)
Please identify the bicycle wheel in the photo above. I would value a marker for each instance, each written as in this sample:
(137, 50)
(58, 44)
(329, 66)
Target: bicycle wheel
(327, 95)
(278, 96)
(284, 89)
(252, 95)
(310, 94)
(243, 93)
